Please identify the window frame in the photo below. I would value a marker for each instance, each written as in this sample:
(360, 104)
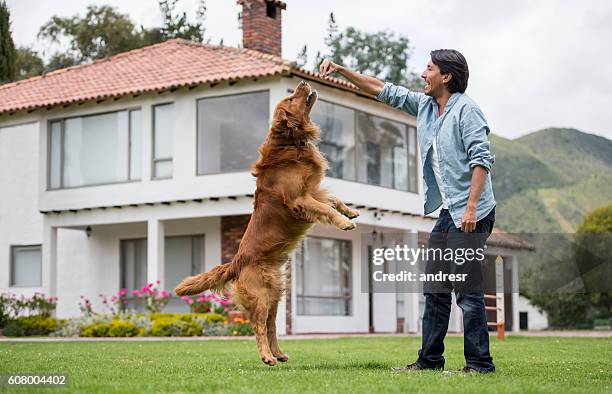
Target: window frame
(12, 261)
(155, 160)
(406, 126)
(62, 122)
(350, 285)
(197, 122)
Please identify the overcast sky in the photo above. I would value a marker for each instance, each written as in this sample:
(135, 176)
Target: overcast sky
(533, 64)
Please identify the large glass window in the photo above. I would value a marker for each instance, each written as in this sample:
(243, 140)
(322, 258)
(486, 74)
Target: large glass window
(323, 277)
(133, 265)
(26, 266)
(95, 149)
(230, 128)
(337, 143)
(382, 145)
(163, 134)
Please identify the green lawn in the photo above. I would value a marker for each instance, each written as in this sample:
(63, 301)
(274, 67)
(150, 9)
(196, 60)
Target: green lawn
(347, 365)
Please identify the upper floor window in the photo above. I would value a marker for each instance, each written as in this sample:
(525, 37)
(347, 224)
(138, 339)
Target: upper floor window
(386, 149)
(230, 128)
(337, 143)
(95, 149)
(26, 266)
(164, 119)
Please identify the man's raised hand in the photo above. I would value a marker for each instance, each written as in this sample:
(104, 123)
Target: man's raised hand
(327, 67)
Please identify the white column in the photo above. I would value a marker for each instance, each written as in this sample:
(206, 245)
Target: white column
(155, 251)
(515, 295)
(49, 259)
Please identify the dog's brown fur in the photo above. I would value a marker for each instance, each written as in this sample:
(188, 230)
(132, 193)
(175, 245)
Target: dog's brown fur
(288, 200)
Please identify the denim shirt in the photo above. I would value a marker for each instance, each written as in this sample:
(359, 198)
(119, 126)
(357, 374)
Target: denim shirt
(461, 133)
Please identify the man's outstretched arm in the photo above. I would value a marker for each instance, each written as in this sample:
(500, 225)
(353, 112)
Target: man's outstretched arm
(366, 83)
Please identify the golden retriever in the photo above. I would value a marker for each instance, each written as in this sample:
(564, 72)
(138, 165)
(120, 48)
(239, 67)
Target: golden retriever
(288, 200)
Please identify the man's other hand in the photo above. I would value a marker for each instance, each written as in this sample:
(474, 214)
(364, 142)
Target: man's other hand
(468, 221)
(327, 67)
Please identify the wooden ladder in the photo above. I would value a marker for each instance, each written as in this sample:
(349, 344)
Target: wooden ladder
(498, 299)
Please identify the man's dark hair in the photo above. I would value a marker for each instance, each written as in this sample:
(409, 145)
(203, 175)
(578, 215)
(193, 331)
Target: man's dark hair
(452, 62)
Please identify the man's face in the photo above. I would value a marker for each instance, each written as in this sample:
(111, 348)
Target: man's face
(434, 81)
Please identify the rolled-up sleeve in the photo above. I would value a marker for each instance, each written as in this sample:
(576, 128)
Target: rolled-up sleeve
(475, 130)
(400, 98)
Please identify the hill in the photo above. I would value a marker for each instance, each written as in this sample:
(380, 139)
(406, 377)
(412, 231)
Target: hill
(547, 180)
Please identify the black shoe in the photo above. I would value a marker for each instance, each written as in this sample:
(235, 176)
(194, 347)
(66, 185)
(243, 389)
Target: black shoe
(413, 367)
(468, 369)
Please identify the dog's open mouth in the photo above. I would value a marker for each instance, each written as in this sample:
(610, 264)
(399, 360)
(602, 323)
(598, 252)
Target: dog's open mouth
(310, 99)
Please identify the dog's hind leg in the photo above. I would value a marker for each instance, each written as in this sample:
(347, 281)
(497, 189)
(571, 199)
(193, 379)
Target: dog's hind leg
(253, 296)
(272, 340)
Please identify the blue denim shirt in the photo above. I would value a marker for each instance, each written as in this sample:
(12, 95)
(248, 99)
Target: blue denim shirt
(462, 142)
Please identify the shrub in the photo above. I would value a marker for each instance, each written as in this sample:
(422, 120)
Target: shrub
(30, 325)
(122, 328)
(241, 328)
(162, 327)
(96, 330)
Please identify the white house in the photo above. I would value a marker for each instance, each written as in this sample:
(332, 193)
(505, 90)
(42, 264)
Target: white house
(136, 168)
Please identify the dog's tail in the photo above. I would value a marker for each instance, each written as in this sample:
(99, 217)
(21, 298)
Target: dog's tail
(214, 280)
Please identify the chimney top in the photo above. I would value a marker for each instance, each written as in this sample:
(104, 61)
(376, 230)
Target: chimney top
(261, 25)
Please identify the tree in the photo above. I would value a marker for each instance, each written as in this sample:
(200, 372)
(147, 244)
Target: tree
(177, 26)
(102, 32)
(28, 63)
(383, 54)
(581, 265)
(7, 47)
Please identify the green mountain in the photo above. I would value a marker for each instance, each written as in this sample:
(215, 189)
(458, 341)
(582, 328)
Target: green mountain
(547, 180)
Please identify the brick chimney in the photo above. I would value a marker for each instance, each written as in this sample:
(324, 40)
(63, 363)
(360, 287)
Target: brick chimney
(261, 25)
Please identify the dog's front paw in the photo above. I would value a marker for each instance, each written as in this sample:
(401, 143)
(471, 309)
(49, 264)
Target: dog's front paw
(347, 226)
(283, 358)
(352, 213)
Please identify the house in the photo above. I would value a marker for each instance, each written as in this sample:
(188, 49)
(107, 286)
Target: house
(136, 168)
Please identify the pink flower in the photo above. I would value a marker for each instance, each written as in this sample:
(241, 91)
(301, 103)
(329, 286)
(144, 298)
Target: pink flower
(158, 281)
(135, 293)
(190, 301)
(185, 298)
(165, 294)
(201, 299)
(114, 299)
(122, 292)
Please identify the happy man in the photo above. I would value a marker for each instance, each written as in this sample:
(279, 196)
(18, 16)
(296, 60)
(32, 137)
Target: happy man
(452, 133)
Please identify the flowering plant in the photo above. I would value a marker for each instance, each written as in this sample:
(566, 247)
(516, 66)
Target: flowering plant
(151, 298)
(209, 302)
(85, 306)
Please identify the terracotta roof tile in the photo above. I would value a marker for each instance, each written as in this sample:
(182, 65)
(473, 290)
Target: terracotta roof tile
(171, 64)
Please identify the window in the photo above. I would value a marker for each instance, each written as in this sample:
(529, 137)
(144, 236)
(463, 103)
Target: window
(133, 267)
(323, 277)
(230, 129)
(163, 135)
(26, 266)
(383, 145)
(337, 143)
(94, 149)
(184, 256)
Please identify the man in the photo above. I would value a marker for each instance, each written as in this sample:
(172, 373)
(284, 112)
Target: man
(452, 133)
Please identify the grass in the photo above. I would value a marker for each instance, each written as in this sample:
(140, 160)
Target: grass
(346, 365)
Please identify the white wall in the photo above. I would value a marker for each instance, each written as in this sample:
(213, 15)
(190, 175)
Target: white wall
(20, 221)
(536, 320)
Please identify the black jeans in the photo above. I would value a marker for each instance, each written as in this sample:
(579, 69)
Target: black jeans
(470, 297)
